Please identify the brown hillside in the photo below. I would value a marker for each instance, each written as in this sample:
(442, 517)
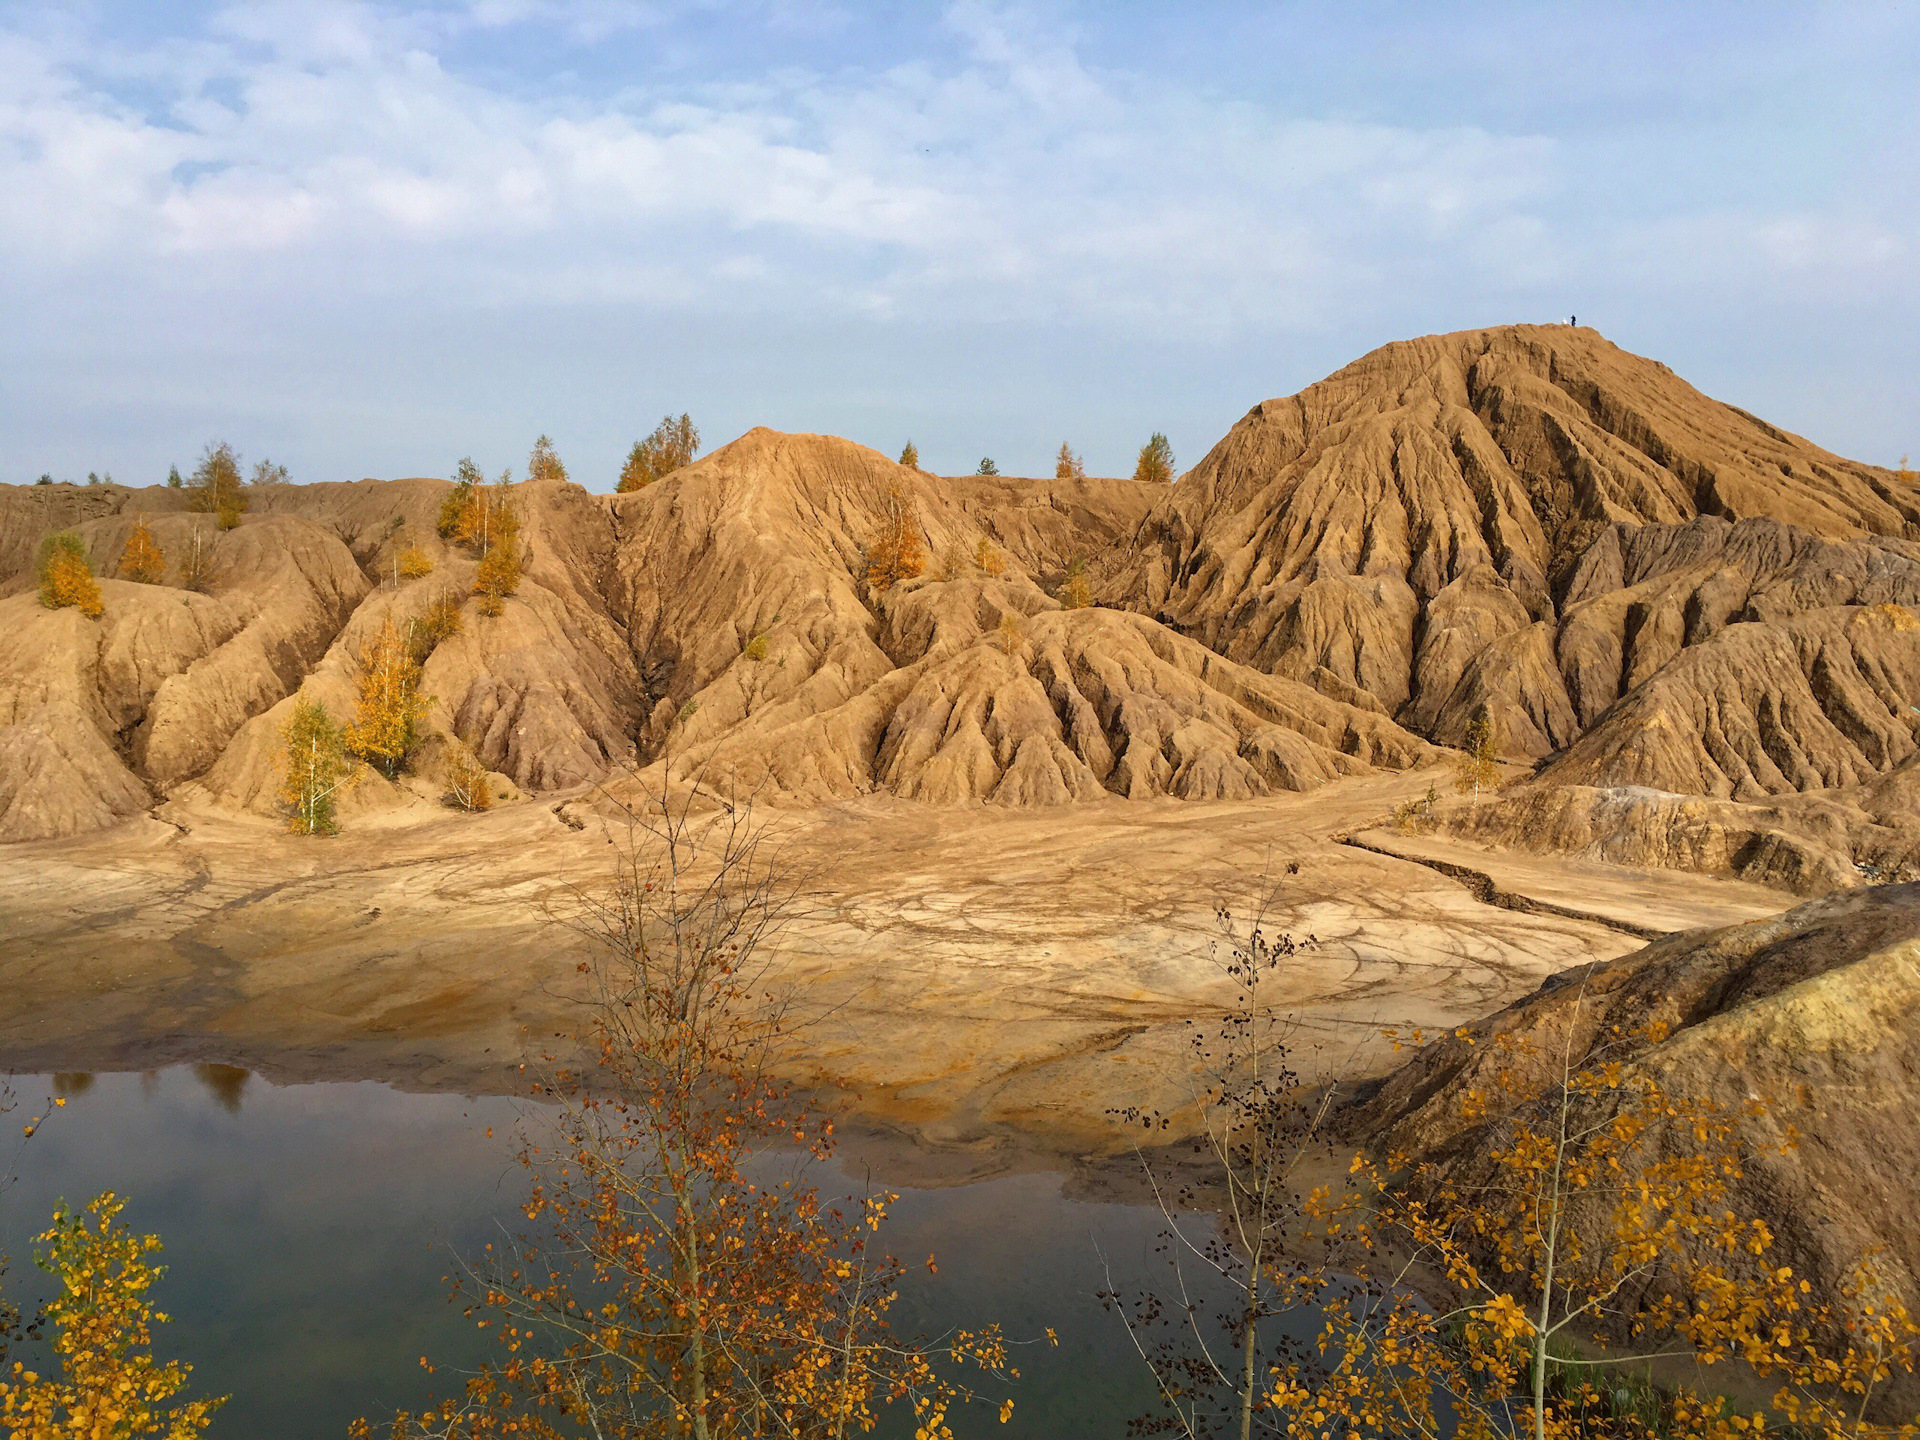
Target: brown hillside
(1811, 1014)
(1641, 586)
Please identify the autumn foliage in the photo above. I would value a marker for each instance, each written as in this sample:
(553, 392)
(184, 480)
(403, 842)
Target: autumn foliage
(896, 552)
(1155, 465)
(1594, 1220)
(141, 559)
(668, 1283)
(672, 445)
(1067, 465)
(543, 463)
(390, 711)
(1478, 768)
(1075, 592)
(483, 518)
(412, 562)
(109, 1385)
(66, 577)
(468, 787)
(314, 768)
(216, 485)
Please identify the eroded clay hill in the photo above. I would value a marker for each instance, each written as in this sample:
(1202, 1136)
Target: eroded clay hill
(1650, 593)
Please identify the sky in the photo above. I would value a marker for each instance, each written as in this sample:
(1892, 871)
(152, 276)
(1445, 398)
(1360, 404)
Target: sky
(368, 239)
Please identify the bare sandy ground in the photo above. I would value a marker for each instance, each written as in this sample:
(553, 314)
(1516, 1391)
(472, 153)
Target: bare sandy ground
(985, 981)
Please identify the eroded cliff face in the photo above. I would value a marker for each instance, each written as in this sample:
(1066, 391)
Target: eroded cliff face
(1640, 585)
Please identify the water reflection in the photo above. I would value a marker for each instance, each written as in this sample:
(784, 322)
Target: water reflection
(225, 1083)
(74, 1082)
(309, 1232)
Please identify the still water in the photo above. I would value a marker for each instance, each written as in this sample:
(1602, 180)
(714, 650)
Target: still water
(309, 1228)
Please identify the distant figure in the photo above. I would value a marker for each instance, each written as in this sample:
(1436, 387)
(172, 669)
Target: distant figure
(1573, 320)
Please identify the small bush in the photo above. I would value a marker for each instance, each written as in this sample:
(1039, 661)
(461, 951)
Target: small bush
(756, 648)
(141, 559)
(910, 456)
(987, 467)
(1012, 633)
(440, 620)
(413, 562)
(1075, 592)
(468, 785)
(66, 578)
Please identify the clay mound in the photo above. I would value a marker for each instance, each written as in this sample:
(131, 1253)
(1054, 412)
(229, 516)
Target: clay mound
(1815, 1014)
(1823, 701)
(778, 670)
(1412, 524)
(1083, 704)
(59, 777)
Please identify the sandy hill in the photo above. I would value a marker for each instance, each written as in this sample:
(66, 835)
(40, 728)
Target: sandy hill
(1642, 587)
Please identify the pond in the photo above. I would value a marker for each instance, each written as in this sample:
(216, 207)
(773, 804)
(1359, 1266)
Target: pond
(308, 1229)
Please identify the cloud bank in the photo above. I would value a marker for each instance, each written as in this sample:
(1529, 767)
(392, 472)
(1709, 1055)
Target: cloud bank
(284, 216)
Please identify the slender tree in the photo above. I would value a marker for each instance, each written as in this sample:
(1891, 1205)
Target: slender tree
(1075, 592)
(458, 501)
(216, 485)
(669, 1290)
(910, 456)
(1155, 466)
(468, 786)
(1067, 465)
(388, 716)
(1232, 1199)
(174, 482)
(543, 463)
(313, 768)
(141, 559)
(498, 574)
(896, 552)
(1587, 1234)
(195, 557)
(987, 557)
(1478, 768)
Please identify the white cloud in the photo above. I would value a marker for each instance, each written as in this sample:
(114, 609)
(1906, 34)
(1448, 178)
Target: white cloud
(1011, 179)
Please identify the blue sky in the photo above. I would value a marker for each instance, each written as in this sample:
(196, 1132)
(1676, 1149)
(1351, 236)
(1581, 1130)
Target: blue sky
(366, 239)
